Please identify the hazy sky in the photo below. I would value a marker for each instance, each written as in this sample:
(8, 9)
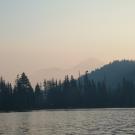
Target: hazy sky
(36, 34)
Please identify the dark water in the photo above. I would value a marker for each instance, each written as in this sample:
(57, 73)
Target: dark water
(69, 122)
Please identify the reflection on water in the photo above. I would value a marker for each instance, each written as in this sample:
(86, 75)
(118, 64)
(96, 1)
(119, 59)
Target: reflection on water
(71, 122)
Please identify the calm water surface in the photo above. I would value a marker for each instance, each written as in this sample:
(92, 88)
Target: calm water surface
(69, 122)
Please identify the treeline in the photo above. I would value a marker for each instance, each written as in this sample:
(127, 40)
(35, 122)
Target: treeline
(70, 93)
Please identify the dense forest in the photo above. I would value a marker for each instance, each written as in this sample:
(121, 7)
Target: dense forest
(69, 93)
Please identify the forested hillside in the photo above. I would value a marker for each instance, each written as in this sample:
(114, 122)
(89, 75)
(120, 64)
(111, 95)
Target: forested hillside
(111, 86)
(114, 72)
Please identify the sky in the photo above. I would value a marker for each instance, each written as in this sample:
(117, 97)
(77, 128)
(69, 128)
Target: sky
(37, 34)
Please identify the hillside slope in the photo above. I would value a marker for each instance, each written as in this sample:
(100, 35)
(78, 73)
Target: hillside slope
(114, 72)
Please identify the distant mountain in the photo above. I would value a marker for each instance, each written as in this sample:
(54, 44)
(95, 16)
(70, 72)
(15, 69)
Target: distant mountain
(113, 73)
(58, 73)
(40, 75)
(89, 64)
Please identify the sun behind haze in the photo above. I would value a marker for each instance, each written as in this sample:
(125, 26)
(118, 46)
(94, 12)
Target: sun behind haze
(37, 34)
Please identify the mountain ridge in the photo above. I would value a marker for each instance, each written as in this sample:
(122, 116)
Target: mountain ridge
(114, 72)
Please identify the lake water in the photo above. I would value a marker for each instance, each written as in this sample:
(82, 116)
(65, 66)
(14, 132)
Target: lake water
(69, 122)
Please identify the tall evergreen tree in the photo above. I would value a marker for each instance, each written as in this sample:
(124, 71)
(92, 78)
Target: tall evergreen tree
(23, 93)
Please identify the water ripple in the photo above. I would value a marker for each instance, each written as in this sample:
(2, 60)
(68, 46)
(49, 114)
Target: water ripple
(69, 122)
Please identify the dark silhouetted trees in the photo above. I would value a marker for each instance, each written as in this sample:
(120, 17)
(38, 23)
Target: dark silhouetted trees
(69, 93)
(23, 94)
